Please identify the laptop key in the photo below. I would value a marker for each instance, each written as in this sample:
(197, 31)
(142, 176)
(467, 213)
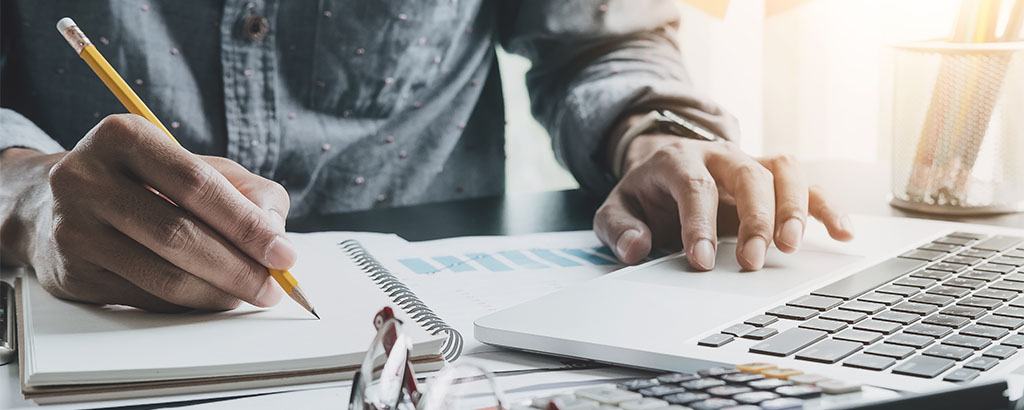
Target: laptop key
(788, 342)
(980, 275)
(792, 312)
(1014, 277)
(948, 291)
(715, 340)
(965, 283)
(952, 240)
(1003, 260)
(1003, 295)
(948, 267)
(937, 300)
(924, 255)
(998, 243)
(946, 320)
(897, 317)
(906, 339)
(883, 298)
(1014, 341)
(879, 326)
(963, 260)
(829, 351)
(1000, 352)
(940, 247)
(1008, 285)
(971, 342)
(816, 302)
(864, 307)
(905, 291)
(920, 283)
(1016, 253)
(859, 336)
(992, 267)
(924, 366)
(977, 253)
(928, 330)
(984, 303)
(739, 330)
(949, 352)
(982, 363)
(920, 309)
(890, 350)
(761, 333)
(931, 274)
(984, 331)
(843, 316)
(869, 362)
(826, 325)
(961, 375)
(1004, 322)
(968, 235)
(1019, 302)
(964, 311)
(761, 320)
(868, 279)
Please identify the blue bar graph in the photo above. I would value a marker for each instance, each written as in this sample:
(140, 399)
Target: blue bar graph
(418, 265)
(587, 256)
(489, 262)
(554, 258)
(606, 251)
(454, 264)
(521, 259)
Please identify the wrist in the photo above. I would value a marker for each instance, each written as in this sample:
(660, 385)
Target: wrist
(25, 201)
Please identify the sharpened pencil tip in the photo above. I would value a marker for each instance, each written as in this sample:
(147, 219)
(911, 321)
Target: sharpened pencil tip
(314, 314)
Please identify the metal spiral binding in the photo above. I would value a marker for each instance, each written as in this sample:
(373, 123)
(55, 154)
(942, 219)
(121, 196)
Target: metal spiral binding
(405, 298)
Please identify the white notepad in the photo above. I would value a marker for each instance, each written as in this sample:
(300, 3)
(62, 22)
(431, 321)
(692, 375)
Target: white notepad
(69, 347)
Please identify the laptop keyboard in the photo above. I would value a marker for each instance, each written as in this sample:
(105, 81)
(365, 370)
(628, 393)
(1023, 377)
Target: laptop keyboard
(951, 309)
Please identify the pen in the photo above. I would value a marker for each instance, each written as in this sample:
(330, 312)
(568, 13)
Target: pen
(99, 65)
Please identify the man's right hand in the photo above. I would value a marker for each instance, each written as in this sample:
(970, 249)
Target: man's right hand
(106, 230)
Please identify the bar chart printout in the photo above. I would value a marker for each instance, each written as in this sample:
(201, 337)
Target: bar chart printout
(510, 260)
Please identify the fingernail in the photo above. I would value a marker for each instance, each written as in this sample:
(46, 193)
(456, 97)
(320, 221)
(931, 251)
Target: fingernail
(627, 238)
(702, 255)
(846, 224)
(269, 294)
(753, 252)
(278, 219)
(791, 233)
(280, 254)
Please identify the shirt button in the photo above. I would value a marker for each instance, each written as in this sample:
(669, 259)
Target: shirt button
(256, 27)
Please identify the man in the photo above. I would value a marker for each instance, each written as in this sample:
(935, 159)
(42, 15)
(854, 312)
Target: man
(347, 105)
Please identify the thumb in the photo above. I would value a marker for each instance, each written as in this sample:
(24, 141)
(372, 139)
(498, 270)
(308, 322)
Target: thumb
(622, 230)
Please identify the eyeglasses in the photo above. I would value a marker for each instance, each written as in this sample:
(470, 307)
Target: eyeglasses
(386, 380)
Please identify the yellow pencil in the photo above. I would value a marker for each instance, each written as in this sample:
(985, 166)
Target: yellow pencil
(99, 65)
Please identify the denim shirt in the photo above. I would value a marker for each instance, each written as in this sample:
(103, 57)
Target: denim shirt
(351, 104)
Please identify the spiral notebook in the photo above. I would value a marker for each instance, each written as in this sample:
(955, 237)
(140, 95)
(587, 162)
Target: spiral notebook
(76, 352)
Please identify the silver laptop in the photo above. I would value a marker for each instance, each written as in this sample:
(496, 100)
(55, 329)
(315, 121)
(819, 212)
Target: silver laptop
(910, 305)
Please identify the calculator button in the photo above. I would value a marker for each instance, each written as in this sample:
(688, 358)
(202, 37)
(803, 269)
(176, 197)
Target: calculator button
(761, 333)
(972, 342)
(897, 317)
(677, 377)
(638, 384)
(607, 395)
(782, 374)
(800, 392)
(869, 362)
(663, 390)
(1000, 352)
(1001, 321)
(761, 320)
(982, 363)
(890, 350)
(713, 403)
(816, 302)
(961, 375)
(788, 342)
(782, 403)
(754, 397)
(702, 384)
(727, 391)
(769, 384)
(984, 331)
(806, 378)
(755, 367)
(792, 312)
(825, 325)
(923, 366)
(846, 315)
(905, 339)
(949, 352)
(741, 378)
(833, 386)
(686, 398)
(859, 336)
(645, 403)
(715, 340)
(829, 351)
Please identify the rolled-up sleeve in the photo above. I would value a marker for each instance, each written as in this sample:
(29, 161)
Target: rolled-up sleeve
(16, 131)
(595, 62)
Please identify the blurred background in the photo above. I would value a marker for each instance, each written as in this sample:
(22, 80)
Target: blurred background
(802, 76)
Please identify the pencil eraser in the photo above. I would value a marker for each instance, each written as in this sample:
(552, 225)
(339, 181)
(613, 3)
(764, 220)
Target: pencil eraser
(64, 23)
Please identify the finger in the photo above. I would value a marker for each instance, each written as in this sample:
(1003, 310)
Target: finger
(791, 198)
(197, 187)
(836, 222)
(106, 288)
(192, 246)
(150, 272)
(264, 193)
(753, 188)
(622, 230)
(696, 196)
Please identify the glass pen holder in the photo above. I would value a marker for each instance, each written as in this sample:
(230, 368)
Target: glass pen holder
(955, 116)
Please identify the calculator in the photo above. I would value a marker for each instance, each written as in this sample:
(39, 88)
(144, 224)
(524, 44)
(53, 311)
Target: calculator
(7, 323)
